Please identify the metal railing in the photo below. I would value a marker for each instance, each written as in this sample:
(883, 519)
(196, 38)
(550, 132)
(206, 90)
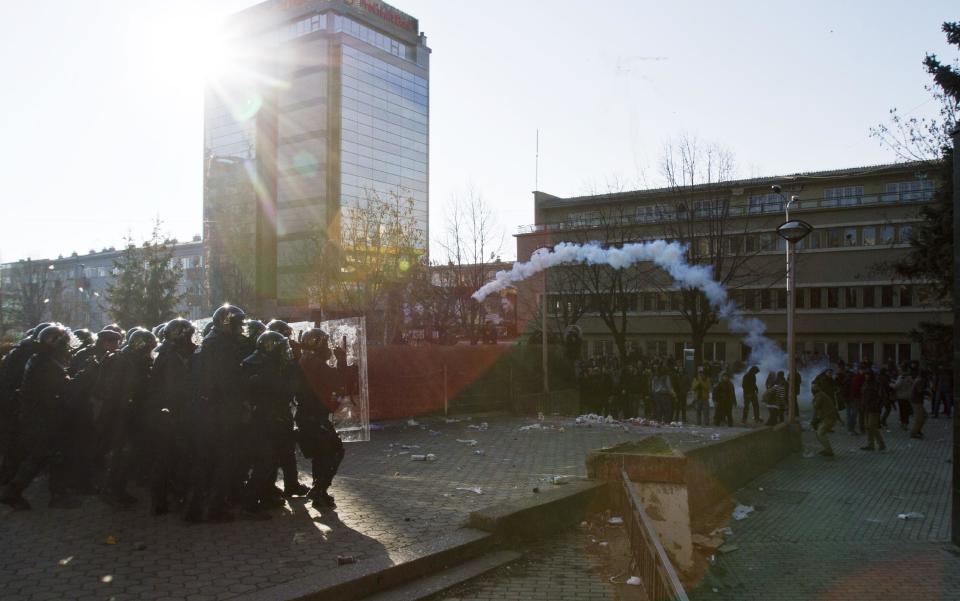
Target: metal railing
(656, 571)
(666, 215)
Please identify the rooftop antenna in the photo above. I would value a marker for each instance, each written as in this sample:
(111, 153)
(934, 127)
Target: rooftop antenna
(536, 164)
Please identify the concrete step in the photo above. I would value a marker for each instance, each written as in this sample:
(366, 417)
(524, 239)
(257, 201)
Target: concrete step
(368, 577)
(425, 588)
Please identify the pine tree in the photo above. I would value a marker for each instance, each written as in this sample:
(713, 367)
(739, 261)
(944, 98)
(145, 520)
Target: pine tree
(143, 290)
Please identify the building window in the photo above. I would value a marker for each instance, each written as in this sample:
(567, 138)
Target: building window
(906, 296)
(834, 237)
(868, 235)
(869, 295)
(850, 236)
(850, 297)
(833, 298)
(749, 300)
(843, 196)
(656, 348)
(781, 298)
(766, 241)
(714, 351)
(812, 241)
(905, 232)
(765, 203)
(886, 296)
(910, 191)
(765, 299)
(816, 298)
(888, 234)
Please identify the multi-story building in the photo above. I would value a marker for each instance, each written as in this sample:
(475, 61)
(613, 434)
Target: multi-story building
(849, 306)
(327, 107)
(75, 286)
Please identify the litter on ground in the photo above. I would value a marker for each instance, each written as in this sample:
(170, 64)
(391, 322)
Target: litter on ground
(910, 515)
(474, 489)
(741, 512)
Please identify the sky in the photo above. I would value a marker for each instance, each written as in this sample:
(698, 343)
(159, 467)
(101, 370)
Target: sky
(102, 123)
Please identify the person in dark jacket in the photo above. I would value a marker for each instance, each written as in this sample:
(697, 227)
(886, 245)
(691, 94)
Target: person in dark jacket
(11, 375)
(85, 368)
(725, 399)
(271, 391)
(171, 388)
(316, 400)
(220, 411)
(750, 394)
(44, 398)
(872, 404)
(120, 393)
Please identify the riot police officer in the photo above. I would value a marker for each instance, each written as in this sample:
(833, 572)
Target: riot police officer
(122, 390)
(220, 410)
(85, 337)
(85, 370)
(287, 456)
(267, 372)
(252, 328)
(11, 375)
(316, 400)
(44, 399)
(170, 392)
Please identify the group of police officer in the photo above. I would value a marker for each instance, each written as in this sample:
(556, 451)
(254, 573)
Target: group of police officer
(205, 429)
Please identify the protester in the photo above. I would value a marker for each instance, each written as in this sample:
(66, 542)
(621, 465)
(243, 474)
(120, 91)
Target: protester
(701, 396)
(724, 400)
(749, 386)
(917, 395)
(903, 391)
(825, 408)
(872, 404)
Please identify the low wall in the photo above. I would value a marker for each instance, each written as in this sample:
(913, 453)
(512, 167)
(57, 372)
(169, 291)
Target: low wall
(715, 470)
(689, 492)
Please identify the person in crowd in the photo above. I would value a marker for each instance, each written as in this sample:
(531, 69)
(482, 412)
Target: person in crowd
(942, 392)
(825, 408)
(316, 400)
(872, 403)
(724, 399)
(918, 393)
(903, 392)
(701, 396)
(681, 386)
(661, 388)
(44, 398)
(748, 385)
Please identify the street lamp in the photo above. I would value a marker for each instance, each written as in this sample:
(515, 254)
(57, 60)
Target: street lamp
(792, 231)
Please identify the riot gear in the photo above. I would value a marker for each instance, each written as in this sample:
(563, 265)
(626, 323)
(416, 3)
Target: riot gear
(273, 344)
(44, 421)
(85, 337)
(254, 328)
(317, 341)
(228, 319)
(158, 331)
(141, 341)
(109, 340)
(115, 328)
(34, 332)
(179, 331)
(277, 325)
(54, 338)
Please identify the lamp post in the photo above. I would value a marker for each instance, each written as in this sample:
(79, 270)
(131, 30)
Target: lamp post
(792, 231)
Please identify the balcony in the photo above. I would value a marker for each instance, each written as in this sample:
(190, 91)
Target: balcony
(668, 215)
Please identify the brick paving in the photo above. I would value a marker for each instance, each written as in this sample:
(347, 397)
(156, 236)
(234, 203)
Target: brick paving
(557, 569)
(387, 502)
(828, 529)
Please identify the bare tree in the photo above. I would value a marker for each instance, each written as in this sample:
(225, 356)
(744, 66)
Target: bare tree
(32, 283)
(699, 215)
(473, 240)
(369, 263)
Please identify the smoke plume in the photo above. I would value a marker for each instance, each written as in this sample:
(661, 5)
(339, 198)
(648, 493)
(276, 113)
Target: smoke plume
(669, 256)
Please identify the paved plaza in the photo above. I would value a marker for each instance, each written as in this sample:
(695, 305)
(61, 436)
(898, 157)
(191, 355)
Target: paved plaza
(828, 530)
(387, 503)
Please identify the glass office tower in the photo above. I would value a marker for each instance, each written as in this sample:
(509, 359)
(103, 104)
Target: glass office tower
(329, 106)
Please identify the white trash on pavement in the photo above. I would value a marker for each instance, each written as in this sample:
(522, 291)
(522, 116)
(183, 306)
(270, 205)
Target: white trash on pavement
(741, 512)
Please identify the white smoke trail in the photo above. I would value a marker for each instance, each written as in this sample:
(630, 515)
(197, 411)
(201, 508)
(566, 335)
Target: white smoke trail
(669, 256)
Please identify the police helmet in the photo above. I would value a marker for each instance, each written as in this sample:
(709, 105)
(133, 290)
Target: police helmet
(141, 341)
(280, 326)
(85, 337)
(228, 319)
(54, 337)
(179, 330)
(314, 340)
(254, 327)
(273, 343)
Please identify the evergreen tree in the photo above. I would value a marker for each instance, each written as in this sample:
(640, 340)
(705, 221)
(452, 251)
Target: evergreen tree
(931, 254)
(143, 290)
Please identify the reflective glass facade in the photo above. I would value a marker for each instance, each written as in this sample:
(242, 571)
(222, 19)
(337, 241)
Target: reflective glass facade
(337, 111)
(384, 132)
